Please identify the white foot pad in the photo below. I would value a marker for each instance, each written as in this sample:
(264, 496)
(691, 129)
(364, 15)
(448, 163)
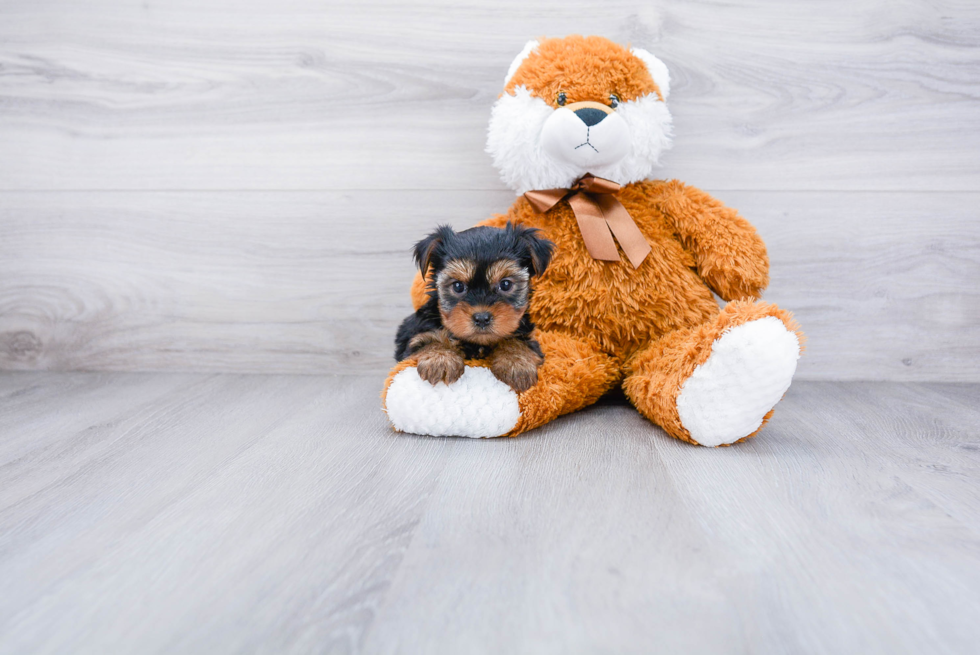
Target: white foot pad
(475, 405)
(749, 369)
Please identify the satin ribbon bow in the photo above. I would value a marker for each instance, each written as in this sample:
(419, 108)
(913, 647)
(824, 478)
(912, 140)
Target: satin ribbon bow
(600, 216)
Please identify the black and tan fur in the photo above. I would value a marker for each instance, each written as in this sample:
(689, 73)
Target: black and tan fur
(477, 308)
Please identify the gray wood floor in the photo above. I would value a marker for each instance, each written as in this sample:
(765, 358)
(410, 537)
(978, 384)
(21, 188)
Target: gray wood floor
(144, 513)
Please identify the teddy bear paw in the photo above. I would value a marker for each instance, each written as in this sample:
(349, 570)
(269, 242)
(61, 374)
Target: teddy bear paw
(749, 369)
(475, 405)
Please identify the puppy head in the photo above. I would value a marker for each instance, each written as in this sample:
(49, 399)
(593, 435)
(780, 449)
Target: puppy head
(482, 278)
(579, 105)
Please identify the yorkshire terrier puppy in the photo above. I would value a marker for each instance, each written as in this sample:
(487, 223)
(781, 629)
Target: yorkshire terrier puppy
(477, 308)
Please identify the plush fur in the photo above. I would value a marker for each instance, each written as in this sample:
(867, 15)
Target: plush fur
(656, 329)
(527, 114)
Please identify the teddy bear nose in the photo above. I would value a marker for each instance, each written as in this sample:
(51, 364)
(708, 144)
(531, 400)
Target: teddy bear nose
(590, 116)
(482, 319)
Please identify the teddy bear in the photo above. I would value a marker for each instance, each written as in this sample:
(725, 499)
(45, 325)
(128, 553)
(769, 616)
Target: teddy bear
(627, 299)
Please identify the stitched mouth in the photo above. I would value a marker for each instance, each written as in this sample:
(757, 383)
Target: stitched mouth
(587, 143)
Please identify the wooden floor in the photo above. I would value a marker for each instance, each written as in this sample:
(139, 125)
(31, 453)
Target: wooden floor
(179, 513)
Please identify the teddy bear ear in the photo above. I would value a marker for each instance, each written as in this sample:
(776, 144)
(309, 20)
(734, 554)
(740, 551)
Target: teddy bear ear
(514, 65)
(658, 70)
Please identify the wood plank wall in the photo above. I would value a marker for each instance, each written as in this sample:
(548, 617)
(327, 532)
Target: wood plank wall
(234, 186)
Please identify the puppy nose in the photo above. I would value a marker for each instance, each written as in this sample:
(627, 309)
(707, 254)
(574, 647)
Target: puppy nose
(482, 319)
(590, 116)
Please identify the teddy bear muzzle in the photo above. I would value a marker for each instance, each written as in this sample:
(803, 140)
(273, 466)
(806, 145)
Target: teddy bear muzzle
(586, 135)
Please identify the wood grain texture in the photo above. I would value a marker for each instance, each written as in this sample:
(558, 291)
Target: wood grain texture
(319, 94)
(285, 456)
(224, 513)
(233, 186)
(884, 284)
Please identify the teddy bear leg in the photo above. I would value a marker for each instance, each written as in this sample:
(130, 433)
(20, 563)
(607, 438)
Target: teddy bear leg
(574, 375)
(717, 383)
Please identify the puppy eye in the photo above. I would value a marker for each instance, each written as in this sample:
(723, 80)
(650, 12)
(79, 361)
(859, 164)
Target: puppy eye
(561, 99)
(613, 100)
(459, 287)
(506, 285)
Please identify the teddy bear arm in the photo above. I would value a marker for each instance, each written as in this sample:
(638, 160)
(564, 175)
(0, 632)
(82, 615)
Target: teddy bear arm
(728, 252)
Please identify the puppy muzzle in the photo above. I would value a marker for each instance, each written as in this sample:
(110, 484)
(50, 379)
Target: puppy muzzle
(482, 320)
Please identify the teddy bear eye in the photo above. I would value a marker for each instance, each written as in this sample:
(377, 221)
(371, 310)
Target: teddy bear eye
(613, 100)
(561, 99)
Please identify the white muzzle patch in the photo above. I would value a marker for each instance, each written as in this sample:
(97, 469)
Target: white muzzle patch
(568, 138)
(535, 146)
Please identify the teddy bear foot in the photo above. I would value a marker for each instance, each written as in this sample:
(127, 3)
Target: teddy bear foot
(728, 396)
(476, 405)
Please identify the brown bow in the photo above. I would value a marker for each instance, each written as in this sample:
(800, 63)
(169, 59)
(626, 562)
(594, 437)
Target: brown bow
(597, 212)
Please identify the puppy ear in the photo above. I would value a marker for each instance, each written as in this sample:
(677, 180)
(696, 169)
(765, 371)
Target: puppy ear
(539, 250)
(514, 65)
(658, 70)
(427, 251)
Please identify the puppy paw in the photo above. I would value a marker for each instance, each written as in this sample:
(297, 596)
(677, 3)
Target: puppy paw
(435, 366)
(519, 378)
(516, 365)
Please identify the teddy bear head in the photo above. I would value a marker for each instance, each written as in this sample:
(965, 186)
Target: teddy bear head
(578, 105)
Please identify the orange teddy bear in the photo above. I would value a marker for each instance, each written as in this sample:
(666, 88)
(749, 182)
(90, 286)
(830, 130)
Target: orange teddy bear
(627, 299)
